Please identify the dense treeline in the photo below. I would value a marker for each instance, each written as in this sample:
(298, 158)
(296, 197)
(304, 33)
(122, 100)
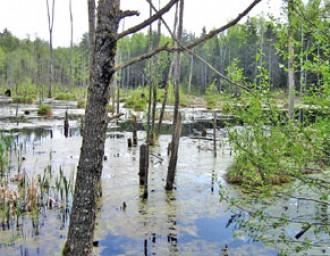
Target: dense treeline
(257, 42)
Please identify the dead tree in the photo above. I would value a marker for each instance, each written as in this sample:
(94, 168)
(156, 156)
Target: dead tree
(88, 177)
(155, 81)
(66, 124)
(176, 118)
(50, 15)
(162, 111)
(71, 41)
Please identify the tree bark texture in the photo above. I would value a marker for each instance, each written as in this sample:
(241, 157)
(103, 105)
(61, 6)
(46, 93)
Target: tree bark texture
(176, 117)
(82, 220)
(169, 76)
(174, 147)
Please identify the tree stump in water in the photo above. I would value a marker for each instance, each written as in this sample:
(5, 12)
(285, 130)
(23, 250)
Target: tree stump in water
(66, 124)
(169, 149)
(8, 93)
(129, 142)
(143, 163)
(174, 155)
(134, 131)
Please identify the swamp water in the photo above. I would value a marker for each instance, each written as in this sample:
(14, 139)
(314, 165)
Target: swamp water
(189, 221)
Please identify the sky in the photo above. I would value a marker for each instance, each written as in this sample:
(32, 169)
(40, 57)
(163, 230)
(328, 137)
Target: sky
(28, 18)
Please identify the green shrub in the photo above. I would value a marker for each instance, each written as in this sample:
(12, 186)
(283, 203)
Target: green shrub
(45, 110)
(137, 99)
(211, 96)
(65, 96)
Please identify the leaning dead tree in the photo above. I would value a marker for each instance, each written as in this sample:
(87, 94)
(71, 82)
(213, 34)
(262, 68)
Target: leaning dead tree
(103, 42)
(50, 16)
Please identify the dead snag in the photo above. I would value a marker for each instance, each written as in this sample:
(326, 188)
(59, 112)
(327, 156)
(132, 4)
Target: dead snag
(129, 142)
(143, 163)
(66, 124)
(134, 131)
(174, 155)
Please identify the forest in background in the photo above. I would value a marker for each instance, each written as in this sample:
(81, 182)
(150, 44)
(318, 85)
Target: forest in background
(257, 42)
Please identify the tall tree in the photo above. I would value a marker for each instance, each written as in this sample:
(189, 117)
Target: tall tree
(176, 118)
(88, 177)
(291, 78)
(71, 40)
(51, 16)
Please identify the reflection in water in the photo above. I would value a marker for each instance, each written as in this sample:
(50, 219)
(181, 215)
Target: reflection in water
(188, 221)
(172, 236)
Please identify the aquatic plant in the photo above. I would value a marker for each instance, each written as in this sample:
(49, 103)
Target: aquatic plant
(45, 110)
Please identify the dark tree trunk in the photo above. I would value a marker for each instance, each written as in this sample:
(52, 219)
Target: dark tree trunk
(169, 77)
(176, 115)
(82, 221)
(174, 147)
(66, 124)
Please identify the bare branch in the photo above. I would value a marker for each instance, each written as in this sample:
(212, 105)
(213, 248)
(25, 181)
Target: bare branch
(188, 48)
(111, 118)
(191, 52)
(143, 57)
(148, 21)
(128, 13)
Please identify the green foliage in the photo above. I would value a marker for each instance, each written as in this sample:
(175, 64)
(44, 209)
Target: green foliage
(5, 142)
(137, 99)
(45, 110)
(65, 96)
(211, 95)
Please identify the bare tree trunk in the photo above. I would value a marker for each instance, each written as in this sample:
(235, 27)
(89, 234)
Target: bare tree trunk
(71, 42)
(191, 73)
(176, 118)
(156, 80)
(169, 77)
(291, 79)
(302, 85)
(82, 220)
(51, 54)
(145, 156)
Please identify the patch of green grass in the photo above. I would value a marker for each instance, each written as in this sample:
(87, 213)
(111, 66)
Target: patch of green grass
(211, 96)
(45, 110)
(137, 99)
(65, 96)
